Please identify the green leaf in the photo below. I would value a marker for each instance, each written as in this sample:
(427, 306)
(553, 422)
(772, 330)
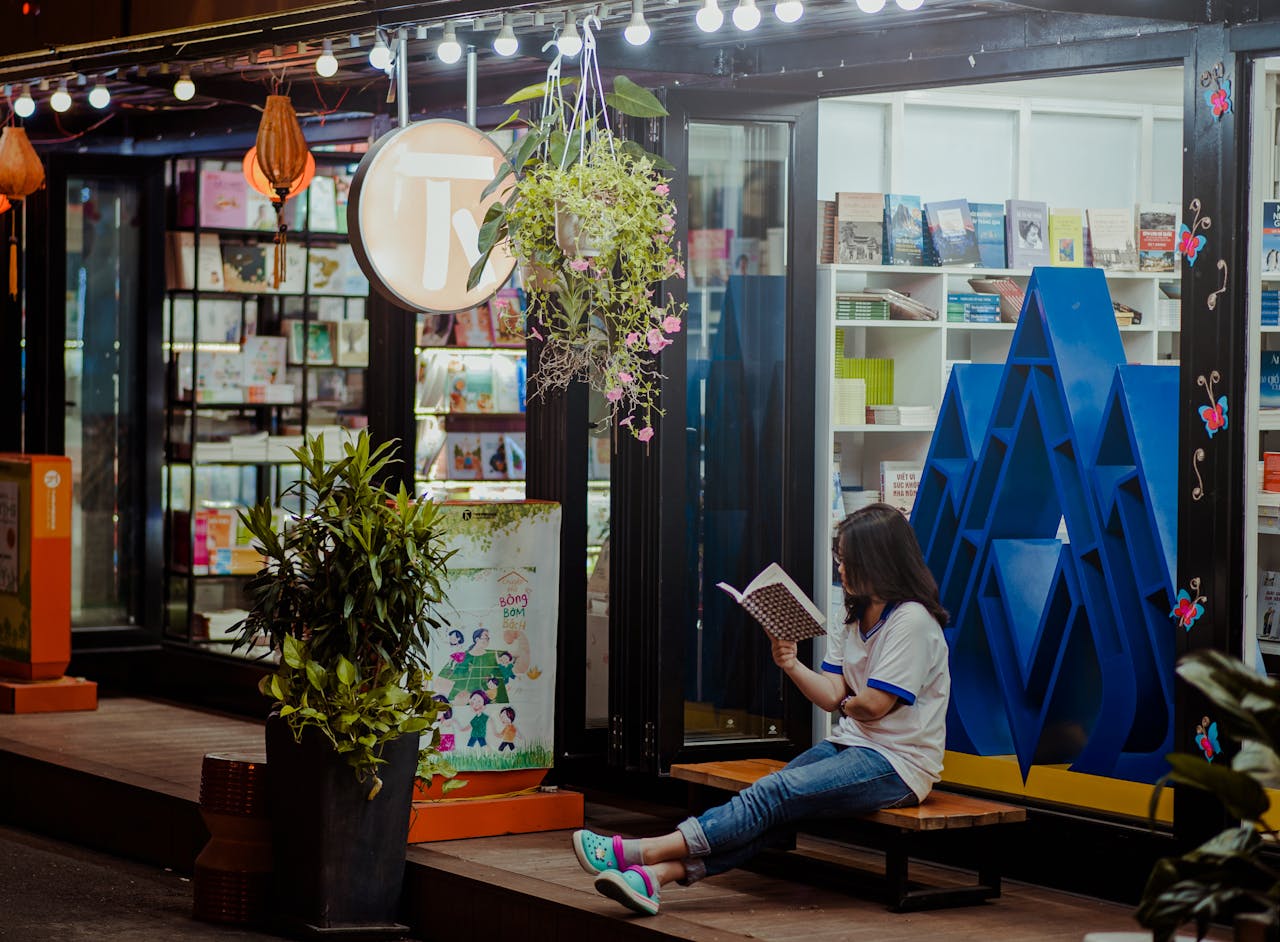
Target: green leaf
(638, 152)
(451, 785)
(292, 651)
(346, 672)
(1243, 797)
(529, 144)
(316, 675)
(535, 92)
(514, 116)
(630, 99)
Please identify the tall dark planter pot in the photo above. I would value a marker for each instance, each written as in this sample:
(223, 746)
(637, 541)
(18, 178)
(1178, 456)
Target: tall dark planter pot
(339, 857)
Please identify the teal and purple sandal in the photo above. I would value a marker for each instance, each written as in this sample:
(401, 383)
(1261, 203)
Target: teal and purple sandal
(634, 888)
(597, 853)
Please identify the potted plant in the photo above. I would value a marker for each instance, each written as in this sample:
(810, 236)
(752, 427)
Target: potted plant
(348, 598)
(1228, 875)
(591, 221)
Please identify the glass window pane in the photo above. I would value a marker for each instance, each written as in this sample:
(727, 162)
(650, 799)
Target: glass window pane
(599, 482)
(1084, 160)
(980, 145)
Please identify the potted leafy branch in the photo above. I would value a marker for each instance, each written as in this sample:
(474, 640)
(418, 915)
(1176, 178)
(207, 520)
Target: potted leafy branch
(591, 221)
(1228, 875)
(348, 597)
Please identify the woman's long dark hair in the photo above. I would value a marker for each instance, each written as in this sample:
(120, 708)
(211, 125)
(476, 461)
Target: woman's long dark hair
(882, 558)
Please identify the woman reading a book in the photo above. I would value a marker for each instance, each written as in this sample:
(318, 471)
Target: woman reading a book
(885, 677)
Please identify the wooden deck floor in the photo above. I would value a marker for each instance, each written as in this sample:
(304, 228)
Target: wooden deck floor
(107, 779)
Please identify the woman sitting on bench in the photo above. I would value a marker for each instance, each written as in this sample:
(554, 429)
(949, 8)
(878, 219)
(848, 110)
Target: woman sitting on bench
(885, 672)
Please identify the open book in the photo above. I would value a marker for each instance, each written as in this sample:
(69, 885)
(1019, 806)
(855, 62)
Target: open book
(776, 602)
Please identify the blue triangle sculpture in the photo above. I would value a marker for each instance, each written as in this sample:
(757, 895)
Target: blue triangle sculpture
(1061, 650)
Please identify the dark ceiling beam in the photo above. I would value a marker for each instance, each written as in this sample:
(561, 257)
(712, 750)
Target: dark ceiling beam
(1186, 11)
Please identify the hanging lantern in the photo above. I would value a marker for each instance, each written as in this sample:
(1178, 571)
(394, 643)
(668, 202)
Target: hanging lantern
(4, 205)
(21, 174)
(258, 180)
(282, 157)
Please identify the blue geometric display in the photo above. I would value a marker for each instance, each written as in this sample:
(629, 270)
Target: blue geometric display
(1061, 650)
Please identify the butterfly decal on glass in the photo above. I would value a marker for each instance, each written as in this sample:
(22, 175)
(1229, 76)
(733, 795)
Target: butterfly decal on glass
(1188, 610)
(1189, 243)
(1217, 90)
(1207, 739)
(1214, 415)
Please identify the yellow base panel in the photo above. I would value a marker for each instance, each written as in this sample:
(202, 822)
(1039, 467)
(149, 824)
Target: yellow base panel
(1056, 784)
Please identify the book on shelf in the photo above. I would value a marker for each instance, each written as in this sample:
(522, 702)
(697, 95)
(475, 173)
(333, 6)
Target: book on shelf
(1268, 604)
(859, 228)
(599, 457)
(899, 481)
(507, 395)
(952, 232)
(244, 267)
(848, 401)
(972, 307)
(265, 360)
(506, 315)
(434, 330)
(1157, 236)
(309, 341)
(213, 376)
(516, 460)
(463, 456)
(1066, 238)
(494, 460)
(1269, 380)
(473, 327)
(186, 269)
(1271, 237)
(988, 223)
(324, 270)
(903, 307)
(353, 343)
(861, 306)
(1271, 472)
(709, 256)
(1009, 292)
(1026, 233)
(223, 200)
(1111, 238)
(433, 380)
(1126, 316)
(779, 605)
(271, 393)
(875, 372)
(341, 198)
(431, 439)
(222, 320)
(470, 383)
(903, 230)
(826, 232)
(322, 204)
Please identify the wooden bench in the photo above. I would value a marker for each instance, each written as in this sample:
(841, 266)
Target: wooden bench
(898, 831)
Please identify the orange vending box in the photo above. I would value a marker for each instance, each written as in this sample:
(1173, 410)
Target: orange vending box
(35, 565)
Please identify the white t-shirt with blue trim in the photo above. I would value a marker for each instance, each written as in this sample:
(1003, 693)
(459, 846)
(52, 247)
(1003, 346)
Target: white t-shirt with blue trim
(903, 654)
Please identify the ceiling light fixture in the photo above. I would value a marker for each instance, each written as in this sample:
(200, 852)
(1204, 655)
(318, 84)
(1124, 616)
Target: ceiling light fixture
(910, 4)
(99, 95)
(637, 32)
(506, 43)
(327, 62)
(380, 55)
(60, 100)
(569, 42)
(450, 50)
(184, 89)
(25, 106)
(746, 15)
(870, 6)
(788, 10)
(421, 32)
(709, 18)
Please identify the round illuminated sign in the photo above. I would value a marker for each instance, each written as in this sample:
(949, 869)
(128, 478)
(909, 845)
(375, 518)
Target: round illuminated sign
(415, 212)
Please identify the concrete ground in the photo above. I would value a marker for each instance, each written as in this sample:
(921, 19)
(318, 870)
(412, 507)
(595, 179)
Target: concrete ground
(51, 890)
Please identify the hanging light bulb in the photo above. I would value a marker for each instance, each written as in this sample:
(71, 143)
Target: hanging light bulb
(788, 11)
(184, 89)
(380, 55)
(327, 62)
(569, 42)
(506, 43)
(60, 100)
(450, 50)
(910, 4)
(637, 32)
(709, 18)
(746, 16)
(870, 6)
(99, 96)
(25, 106)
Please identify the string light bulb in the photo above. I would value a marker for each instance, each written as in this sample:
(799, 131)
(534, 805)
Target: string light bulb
(60, 100)
(746, 15)
(327, 62)
(709, 18)
(450, 50)
(506, 43)
(569, 42)
(788, 11)
(910, 4)
(380, 55)
(870, 6)
(99, 95)
(637, 32)
(184, 89)
(25, 105)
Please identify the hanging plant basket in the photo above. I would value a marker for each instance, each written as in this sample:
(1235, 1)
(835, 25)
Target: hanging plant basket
(573, 238)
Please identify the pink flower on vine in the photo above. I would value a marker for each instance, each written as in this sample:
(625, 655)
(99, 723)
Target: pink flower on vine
(626, 377)
(628, 420)
(657, 341)
(674, 267)
(671, 324)
(662, 189)
(648, 293)
(632, 339)
(534, 332)
(579, 264)
(666, 222)
(645, 433)
(614, 394)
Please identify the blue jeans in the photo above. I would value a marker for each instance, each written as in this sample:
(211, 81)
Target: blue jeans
(826, 781)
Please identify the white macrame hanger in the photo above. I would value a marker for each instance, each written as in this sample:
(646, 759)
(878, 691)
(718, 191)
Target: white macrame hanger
(590, 106)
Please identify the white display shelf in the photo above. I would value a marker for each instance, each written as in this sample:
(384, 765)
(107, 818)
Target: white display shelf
(1269, 647)
(1268, 420)
(885, 428)
(984, 272)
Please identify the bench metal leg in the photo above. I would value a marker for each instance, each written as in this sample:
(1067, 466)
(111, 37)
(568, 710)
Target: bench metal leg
(902, 898)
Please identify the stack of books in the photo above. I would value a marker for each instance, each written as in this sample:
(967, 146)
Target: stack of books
(923, 416)
(861, 307)
(1271, 308)
(849, 401)
(826, 231)
(877, 373)
(855, 498)
(972, 307)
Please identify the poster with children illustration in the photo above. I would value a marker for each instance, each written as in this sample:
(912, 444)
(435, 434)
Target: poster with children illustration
(494, 664)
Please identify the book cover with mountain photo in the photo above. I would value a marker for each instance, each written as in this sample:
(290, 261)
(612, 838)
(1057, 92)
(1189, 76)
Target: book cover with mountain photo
(903, 230)
(952, 232)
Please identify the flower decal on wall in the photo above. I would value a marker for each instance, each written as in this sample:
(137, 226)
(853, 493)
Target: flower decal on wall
(1188, 609)
(1189, 243)
(1214, 415)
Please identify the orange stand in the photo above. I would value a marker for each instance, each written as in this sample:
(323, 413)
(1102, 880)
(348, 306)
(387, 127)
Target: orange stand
(35, 587)
(486, 807)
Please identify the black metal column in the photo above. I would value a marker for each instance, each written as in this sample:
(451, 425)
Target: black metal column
(389, 383)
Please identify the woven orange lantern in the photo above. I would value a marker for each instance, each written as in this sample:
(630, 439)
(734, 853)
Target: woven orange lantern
(21, 174)
(258, 180)
(4, 205)
(282, 157)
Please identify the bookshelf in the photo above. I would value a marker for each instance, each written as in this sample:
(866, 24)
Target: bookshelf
(252, 368)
